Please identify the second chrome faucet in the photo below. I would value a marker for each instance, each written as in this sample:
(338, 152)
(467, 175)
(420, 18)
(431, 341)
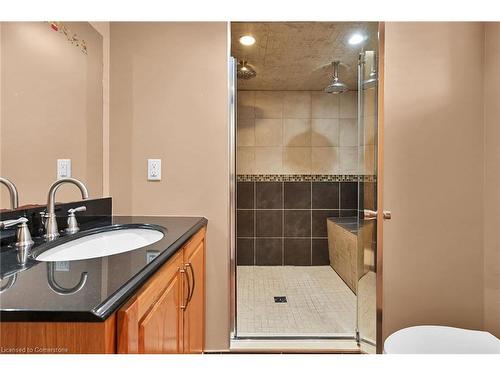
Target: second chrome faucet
(51, 229)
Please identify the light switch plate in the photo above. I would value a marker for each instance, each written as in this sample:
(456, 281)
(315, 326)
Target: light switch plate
(154, 169)
(63, 168)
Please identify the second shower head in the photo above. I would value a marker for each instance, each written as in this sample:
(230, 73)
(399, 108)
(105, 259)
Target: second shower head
(245, 70)
(336, 86)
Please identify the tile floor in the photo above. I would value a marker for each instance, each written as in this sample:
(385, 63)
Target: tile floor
(319, 302)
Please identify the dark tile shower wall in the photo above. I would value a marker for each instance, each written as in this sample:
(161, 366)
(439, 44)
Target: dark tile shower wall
(284, 223)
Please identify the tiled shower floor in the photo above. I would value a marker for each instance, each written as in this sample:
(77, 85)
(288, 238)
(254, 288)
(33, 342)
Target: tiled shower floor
(319, 302)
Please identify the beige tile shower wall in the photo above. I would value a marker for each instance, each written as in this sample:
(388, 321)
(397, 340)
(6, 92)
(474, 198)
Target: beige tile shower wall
(165, 104)
(51, 108)
(367, 150)
(492, 179)
(296, 132)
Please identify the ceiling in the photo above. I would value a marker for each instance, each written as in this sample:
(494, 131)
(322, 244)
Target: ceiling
(298, 55)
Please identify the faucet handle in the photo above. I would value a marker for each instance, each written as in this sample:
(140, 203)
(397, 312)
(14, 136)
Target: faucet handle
(77, 209)
(10, 223)
(43, 219)
(23, 233)
(72, 223)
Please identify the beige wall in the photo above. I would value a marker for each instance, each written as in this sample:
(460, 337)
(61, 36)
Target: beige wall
(169, 100)
(492, 178)
(51, 108)
(434, 145)
(296, 132)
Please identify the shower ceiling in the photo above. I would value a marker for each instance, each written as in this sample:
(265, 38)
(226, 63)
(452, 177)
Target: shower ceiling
(298, 55)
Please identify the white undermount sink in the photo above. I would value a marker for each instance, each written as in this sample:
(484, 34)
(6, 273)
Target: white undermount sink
(102, 244)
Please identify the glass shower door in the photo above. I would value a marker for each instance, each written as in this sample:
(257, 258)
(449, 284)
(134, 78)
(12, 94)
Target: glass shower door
(367, 201)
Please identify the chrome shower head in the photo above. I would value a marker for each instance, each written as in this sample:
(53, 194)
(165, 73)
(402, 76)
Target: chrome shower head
(336, 86)
(244, 70)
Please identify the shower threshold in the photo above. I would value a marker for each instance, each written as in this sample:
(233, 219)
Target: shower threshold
(294, 345)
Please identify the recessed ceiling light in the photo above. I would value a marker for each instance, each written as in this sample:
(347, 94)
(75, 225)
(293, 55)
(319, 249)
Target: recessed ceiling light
(247, 40)
(356, 38)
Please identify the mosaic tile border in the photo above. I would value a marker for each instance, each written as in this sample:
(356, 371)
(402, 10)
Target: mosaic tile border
(305, 178)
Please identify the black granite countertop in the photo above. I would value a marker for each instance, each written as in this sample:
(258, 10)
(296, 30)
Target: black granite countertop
(349, 223)
(111, 280)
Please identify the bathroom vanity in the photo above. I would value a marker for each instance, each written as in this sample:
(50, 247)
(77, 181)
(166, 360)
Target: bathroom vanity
(147, 300)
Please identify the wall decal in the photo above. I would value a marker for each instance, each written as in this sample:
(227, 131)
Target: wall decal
(71, 37)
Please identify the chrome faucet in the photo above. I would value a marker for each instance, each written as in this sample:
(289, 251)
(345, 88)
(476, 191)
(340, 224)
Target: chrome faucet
(51, 230)
(14, 197)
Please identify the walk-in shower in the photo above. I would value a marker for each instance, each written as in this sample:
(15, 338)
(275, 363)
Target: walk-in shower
(301, 258)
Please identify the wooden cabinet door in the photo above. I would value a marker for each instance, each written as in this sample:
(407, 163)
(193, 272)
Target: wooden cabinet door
(167, 315)
(160, 330)
(194, 315)
(152, 321)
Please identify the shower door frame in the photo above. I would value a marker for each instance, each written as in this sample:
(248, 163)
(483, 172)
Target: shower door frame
(380, 186)
(375, 344)
(232, 119)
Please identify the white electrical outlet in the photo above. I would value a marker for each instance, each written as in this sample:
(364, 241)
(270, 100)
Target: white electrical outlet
(63, 168)
(62, 266)
(154, 169)
(151, 255)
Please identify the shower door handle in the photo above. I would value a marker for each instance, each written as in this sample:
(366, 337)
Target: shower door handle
(369, 215)
(372, 215)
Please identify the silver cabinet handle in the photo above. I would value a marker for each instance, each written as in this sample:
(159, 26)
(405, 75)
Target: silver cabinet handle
(191, 292)
(183, 272)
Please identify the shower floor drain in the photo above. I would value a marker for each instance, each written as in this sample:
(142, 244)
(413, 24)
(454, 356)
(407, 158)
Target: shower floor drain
(280, 299)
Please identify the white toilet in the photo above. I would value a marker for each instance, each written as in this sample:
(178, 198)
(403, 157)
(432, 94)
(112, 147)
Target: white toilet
(441, 340)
